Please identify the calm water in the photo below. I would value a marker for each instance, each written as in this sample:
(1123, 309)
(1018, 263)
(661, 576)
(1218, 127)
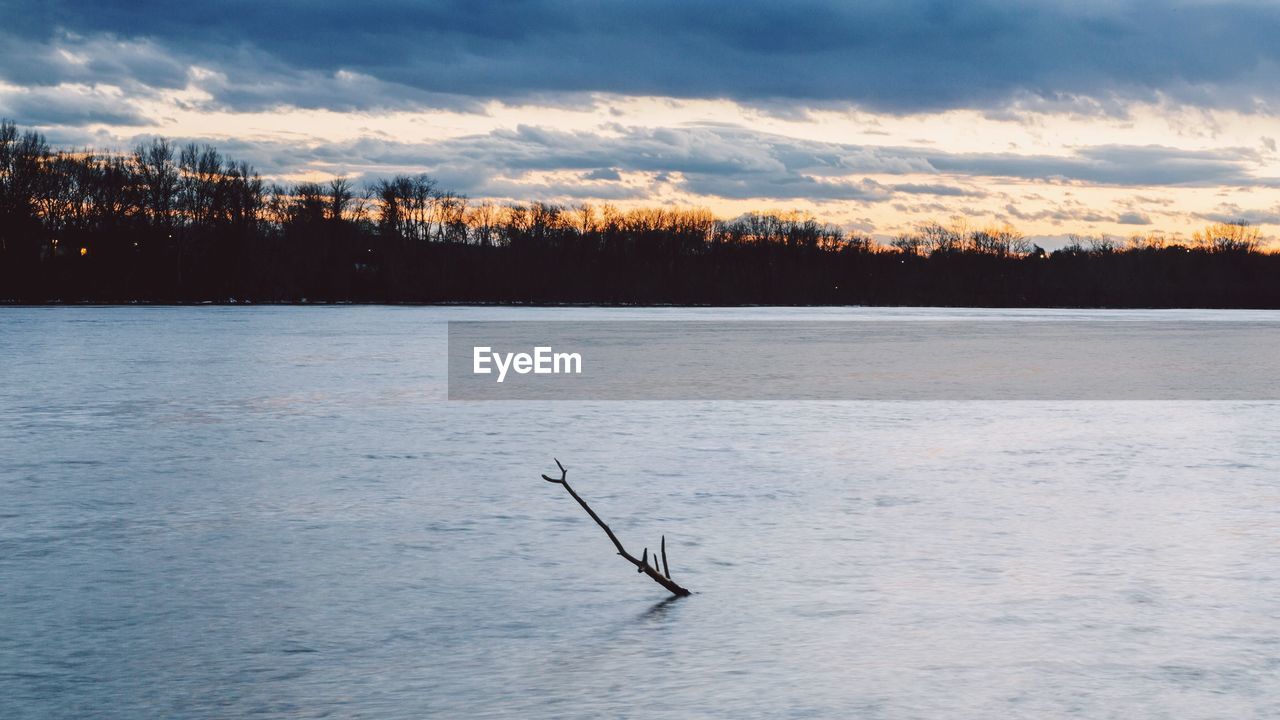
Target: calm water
(223, 512)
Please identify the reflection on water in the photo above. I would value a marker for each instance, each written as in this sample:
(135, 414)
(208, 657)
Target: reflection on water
(658, 612)
(216, 512)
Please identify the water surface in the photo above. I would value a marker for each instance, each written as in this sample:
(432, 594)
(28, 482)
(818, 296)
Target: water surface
(224, 512)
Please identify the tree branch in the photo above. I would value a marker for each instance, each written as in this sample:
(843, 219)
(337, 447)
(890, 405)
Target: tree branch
(642, 565)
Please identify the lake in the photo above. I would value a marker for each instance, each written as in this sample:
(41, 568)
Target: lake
(276, 512)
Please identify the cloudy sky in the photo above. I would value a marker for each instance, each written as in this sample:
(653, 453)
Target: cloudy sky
(1082, 116)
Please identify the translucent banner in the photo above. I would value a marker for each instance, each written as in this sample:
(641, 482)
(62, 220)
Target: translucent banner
(865, 360)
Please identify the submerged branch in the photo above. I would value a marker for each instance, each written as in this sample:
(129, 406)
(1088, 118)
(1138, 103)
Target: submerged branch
(660, 575)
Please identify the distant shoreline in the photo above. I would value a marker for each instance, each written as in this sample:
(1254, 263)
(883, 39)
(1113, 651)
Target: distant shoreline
(5, 304)
(171, 225)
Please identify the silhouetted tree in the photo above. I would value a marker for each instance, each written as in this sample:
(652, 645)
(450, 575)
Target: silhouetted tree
(1237, 237)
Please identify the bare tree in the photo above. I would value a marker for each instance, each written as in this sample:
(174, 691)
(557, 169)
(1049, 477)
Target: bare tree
(586, 218)
(22, 159)
(310, 204)
(1237, 236)
(1001, 241)
(659, 571)
(1103, 244)
(451, 217)
(483, 220)
(908, 243)
(939, 238)
(245, 196)
(201, 183)
(1151, 241)
(340, 199)
(158, 176)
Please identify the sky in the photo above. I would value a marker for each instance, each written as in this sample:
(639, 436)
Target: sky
(1058, 117)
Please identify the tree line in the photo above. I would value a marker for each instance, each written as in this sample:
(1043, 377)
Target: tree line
(186, 224)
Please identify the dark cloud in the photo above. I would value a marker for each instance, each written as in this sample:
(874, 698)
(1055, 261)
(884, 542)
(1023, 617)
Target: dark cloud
(731, 162)
(1067, 213)
(888, 55)
(522, 191)
(240, 79)
(785, 187)
(930, 189)
(51, 58)
(40, 106)
(930, 208)
(1111, 165)
(1230, 213)
(1133, 217)
(341, 91)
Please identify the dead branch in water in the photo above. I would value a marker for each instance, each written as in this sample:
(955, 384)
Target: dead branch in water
(660, 575)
